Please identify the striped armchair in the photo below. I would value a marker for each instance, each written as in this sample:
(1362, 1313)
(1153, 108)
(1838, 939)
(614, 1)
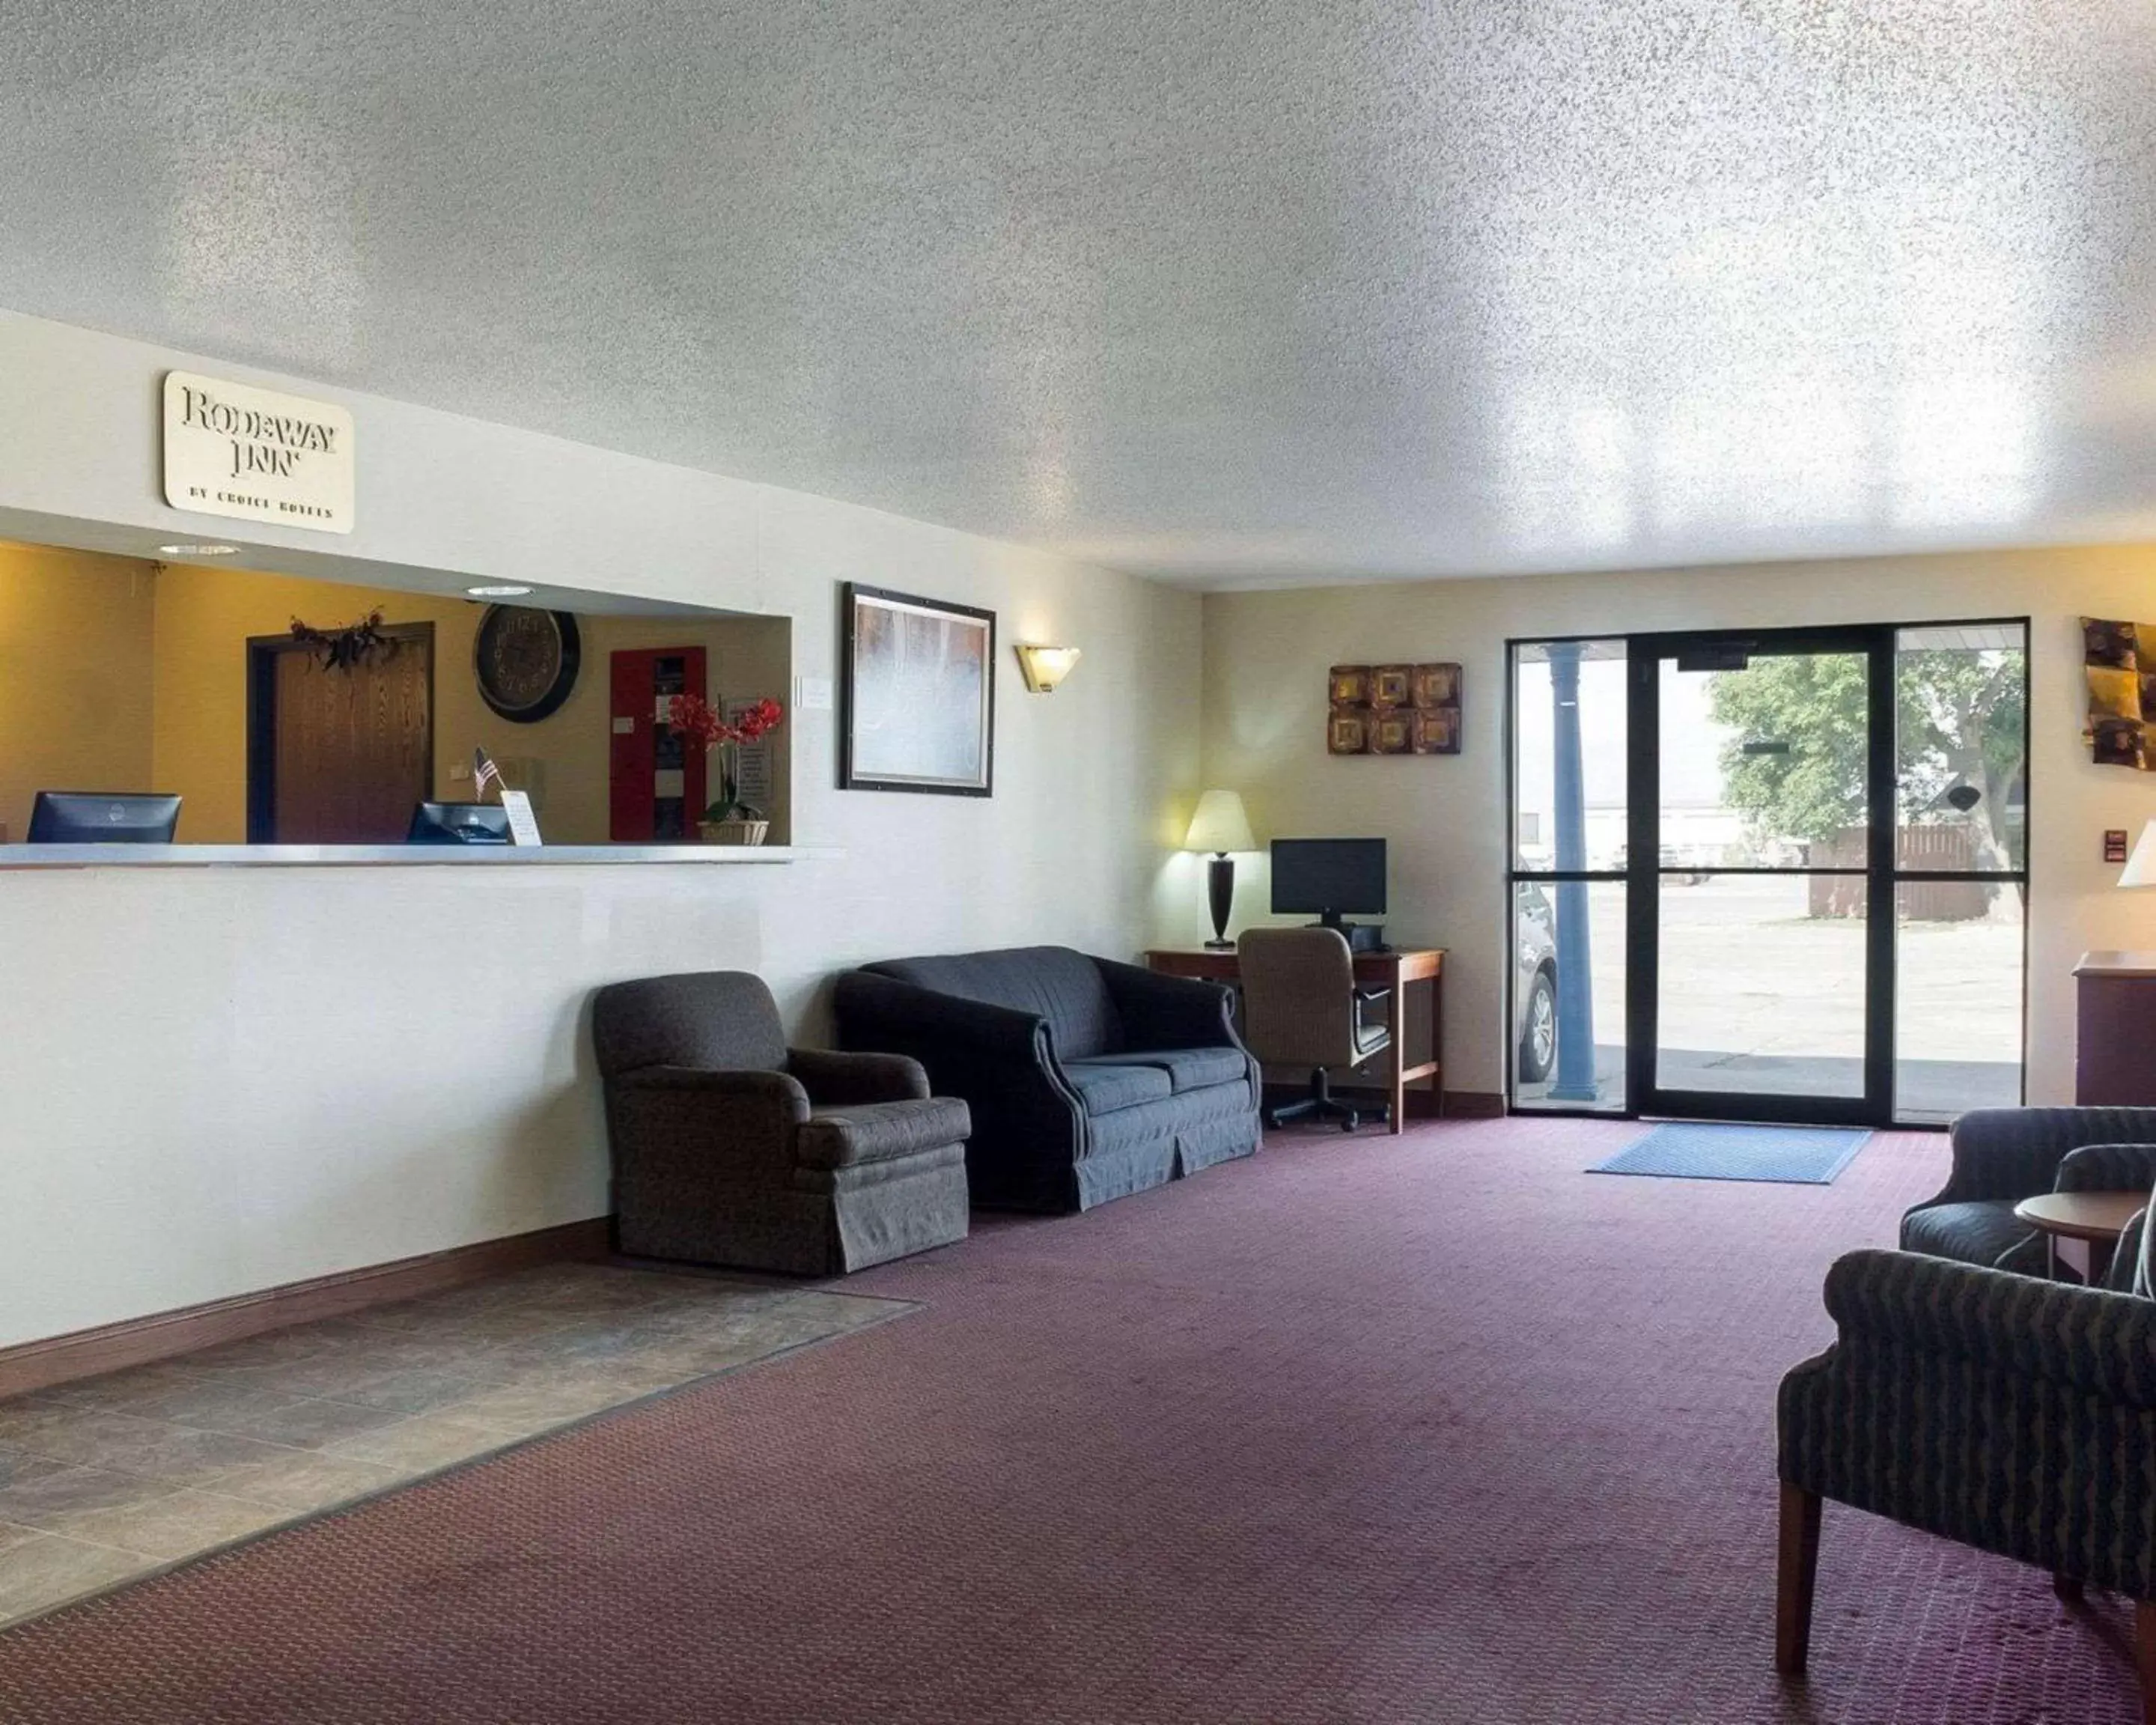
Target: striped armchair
(2004, 1155)
(2012, 1413)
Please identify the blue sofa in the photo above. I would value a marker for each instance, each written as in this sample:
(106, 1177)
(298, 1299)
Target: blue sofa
(1086, 1080)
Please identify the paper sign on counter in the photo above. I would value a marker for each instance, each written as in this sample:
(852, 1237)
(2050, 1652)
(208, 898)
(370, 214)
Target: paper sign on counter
(523, 824)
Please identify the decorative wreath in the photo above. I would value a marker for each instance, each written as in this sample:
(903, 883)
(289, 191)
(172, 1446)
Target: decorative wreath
(341, 650)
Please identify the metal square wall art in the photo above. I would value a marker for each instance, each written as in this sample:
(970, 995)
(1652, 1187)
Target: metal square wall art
(1393, 710)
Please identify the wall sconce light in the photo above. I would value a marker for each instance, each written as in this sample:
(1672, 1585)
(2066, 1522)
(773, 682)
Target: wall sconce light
(1044, 667)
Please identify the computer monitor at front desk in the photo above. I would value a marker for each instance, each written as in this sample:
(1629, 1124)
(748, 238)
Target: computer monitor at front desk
(103, 818)
(459, 823)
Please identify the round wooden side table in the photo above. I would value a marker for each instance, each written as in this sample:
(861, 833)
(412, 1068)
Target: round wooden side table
(2096, 1218)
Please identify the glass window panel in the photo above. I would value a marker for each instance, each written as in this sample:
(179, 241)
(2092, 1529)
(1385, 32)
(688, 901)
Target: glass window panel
(1569, 729)
(1765, 766)
(1958, 1015)
(1761, 985)
(1568, 933)
(1961, 696)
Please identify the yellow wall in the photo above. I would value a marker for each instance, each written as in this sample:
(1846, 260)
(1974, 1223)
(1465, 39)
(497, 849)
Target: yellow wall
(74, 676)
(204, 618)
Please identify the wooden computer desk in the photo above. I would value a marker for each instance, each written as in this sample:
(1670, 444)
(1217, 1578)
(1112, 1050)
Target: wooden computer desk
(1416, 977)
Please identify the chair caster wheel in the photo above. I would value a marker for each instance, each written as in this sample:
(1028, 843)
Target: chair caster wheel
(1350, 1123)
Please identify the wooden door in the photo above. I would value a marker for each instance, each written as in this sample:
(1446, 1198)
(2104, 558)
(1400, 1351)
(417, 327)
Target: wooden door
(339, 756)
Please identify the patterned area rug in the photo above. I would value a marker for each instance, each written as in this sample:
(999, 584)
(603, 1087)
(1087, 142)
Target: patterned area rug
(1387, 1431)
(109, 1478)
(1794, 1155)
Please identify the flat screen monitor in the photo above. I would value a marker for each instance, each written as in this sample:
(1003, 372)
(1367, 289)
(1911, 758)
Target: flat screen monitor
(459, 823)
(1329, 878)
(103, 818)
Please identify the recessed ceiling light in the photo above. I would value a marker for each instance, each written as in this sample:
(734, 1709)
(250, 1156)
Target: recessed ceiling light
(507, 591)
(199, 551)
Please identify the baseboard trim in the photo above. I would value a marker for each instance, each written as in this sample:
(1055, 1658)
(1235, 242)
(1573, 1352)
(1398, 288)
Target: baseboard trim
(1474, 1105)
(137, 1341)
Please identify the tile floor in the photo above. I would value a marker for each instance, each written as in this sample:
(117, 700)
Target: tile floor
(114, 1476)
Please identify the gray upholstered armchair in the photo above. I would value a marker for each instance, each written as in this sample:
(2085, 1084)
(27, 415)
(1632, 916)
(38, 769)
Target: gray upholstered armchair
(2004, 1155)
(2012, 1413)
(729, 1147)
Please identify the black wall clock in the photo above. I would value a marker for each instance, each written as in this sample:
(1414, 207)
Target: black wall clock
(526, 660)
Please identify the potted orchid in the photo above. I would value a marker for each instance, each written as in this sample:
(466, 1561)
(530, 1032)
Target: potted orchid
(729, 820)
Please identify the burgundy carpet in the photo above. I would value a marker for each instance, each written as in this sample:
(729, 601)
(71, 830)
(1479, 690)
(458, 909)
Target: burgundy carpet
(1428, 1428)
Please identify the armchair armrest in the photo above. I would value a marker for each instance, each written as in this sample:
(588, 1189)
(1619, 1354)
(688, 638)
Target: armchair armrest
(685, 1116)
(1169, 1011)
(2088, 1339)
(838, 1081)
(2107, 1168)
(2016, 1153)
(882, 1131)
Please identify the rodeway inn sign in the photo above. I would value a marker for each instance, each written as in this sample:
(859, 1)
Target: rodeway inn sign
(231, 449)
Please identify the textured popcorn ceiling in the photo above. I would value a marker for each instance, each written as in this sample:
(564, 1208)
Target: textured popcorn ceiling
(1227, 290)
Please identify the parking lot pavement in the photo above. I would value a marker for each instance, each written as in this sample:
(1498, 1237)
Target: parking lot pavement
(1925, 1091)
(1757, 994)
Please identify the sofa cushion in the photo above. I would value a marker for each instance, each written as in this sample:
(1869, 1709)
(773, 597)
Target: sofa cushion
(1060, 984)
(1195, 1111)
(1192, 1068)
(1107, 1085)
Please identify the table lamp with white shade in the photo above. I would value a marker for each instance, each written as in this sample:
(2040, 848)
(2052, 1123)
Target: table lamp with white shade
(2141, 867)
(1220, 826)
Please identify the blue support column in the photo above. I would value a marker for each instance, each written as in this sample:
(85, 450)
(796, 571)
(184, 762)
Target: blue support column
(1575, 967)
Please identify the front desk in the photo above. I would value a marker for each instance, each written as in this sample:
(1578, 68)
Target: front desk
(291, 1047)
(234, 1069)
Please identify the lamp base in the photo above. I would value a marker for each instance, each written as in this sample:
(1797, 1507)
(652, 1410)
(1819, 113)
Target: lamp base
(1220, 895)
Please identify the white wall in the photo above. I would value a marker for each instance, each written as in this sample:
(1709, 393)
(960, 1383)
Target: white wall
(1266, 655)
(215, 1082)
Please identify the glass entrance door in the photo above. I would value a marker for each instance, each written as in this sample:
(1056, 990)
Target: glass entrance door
(1758, 763)
(1776, 875)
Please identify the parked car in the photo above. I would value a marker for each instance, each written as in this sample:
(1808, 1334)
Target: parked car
(1534, 982)
(1667, 858)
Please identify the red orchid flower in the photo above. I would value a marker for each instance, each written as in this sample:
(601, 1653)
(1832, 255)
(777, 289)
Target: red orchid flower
(696, 720)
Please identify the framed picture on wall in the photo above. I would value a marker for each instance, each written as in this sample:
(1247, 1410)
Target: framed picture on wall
(917, 694)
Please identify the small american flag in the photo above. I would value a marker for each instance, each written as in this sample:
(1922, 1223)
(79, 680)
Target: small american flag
(485, 773)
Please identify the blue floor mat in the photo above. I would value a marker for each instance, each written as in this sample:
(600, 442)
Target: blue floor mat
(1802, 1155)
